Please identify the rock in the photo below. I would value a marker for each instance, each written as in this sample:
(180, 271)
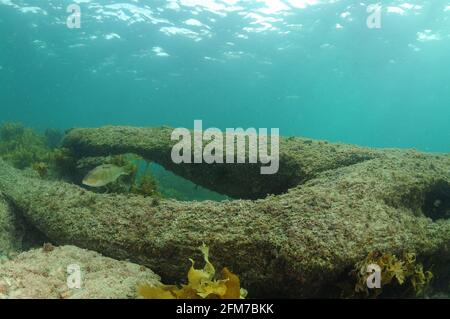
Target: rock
(43, 274)
(346, 202)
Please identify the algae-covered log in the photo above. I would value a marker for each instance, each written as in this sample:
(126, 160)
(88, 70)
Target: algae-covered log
(300, 159)
(300, 243)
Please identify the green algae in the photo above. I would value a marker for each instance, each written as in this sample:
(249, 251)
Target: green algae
(41, 168)
(146, 185)
(22, 146)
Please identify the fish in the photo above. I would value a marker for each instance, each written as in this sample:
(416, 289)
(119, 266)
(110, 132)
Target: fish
(103, 175)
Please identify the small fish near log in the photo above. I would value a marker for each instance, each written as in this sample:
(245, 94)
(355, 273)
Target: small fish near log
(103, 175)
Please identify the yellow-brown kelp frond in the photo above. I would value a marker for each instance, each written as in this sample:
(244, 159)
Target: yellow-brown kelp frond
(201, 284)
(403, 273)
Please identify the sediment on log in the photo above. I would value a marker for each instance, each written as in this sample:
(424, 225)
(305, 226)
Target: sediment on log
(295, 244)
(43, 273)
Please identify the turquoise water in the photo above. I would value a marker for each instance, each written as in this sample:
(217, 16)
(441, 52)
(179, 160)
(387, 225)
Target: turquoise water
(311, 68)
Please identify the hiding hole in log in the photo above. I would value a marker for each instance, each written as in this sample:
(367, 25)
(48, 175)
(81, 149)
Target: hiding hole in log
(437, 201)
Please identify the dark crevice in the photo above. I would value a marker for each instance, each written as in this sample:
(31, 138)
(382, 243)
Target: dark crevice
(437, 201)
(32, 237)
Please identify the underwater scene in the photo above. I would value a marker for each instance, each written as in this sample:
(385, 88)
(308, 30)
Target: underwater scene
(224, 149)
